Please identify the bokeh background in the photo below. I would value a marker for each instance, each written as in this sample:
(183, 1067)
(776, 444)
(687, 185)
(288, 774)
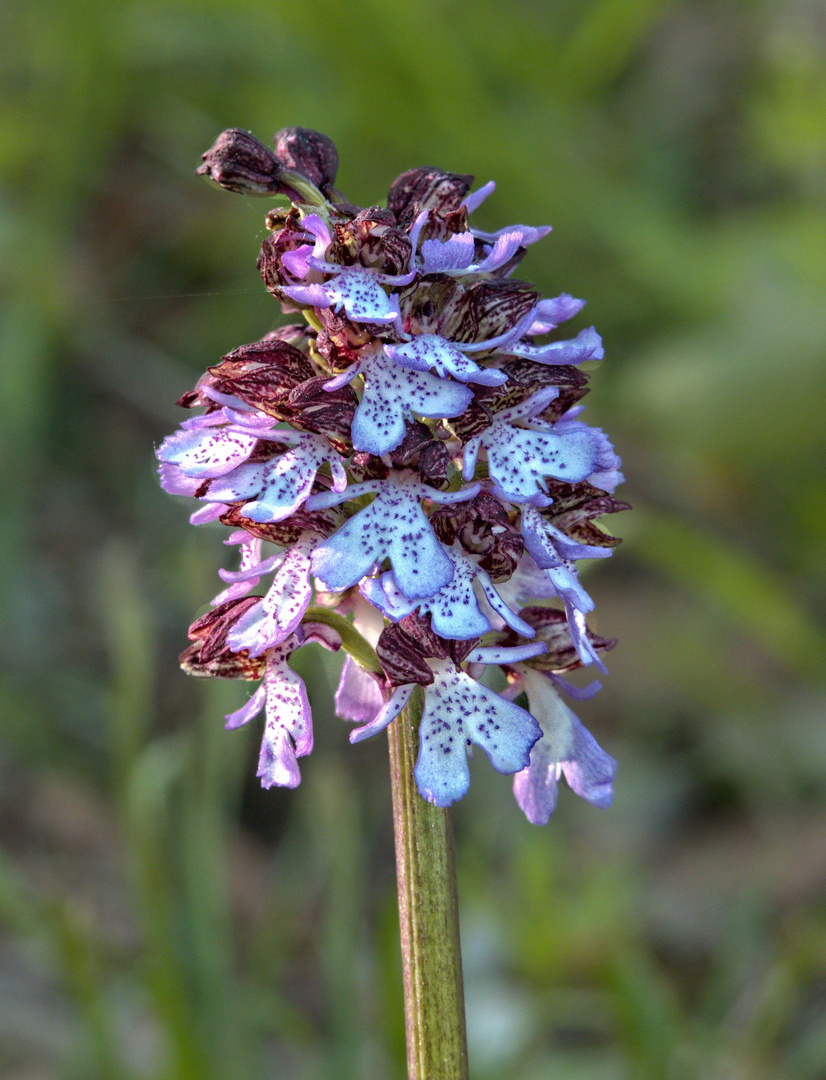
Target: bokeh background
(160, 916)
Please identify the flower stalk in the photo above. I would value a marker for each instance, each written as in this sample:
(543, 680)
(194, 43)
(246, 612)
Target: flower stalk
(434, 1004)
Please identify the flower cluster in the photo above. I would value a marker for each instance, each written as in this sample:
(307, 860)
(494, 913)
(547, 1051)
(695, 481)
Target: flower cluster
(407, 467)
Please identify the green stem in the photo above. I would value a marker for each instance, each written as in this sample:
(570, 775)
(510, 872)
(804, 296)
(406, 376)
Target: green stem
(434, 1003)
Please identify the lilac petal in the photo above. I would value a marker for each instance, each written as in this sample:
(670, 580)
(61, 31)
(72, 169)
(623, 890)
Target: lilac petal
(587, 345)
(358, 696)
(454, 610)
(316, 296)
(274, 618)
(511, 654)
(326, 499)
(248, 710)
(176, 482)
(501, 607)
(578, 693)
(458, 710)
(550, 546)
(504, 248)
(383, 593)
(565, 747)
(476, 198)
(211, 512)
(208, 452)
(386, 715)
(296, 261)
(446, 358)
(243, 482)
(519, 459)
(579, 635)
(548, 314)
(453, 255)
(393, 526)
(393, 394)
(288, 732)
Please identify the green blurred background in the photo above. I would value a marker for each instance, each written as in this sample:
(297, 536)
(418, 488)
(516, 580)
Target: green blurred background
(160, 916)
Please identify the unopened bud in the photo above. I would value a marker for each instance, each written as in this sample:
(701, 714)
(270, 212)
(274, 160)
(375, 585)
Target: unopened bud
(239, 162)
(307, 152)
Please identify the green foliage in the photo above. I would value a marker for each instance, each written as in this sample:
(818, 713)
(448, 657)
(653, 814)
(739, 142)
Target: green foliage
(161, 917)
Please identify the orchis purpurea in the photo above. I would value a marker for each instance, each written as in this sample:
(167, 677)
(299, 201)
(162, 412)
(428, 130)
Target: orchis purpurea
(406, 465)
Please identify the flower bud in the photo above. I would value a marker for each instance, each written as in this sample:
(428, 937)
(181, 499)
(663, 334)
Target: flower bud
(308, 152)
(238, 162)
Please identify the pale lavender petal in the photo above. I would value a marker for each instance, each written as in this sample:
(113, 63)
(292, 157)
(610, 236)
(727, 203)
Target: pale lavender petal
(316, 296)
(362, 297)
(519, 460)
(273, 619)
(587, 345)
(500, 606)
(476, 198)
(358, 696)
(511, 654)
(446, 358)
(393, 394)
(448, 256)
(244, 482)
(504, 248)
(176, 482)
(548, 314)
(208, 452)
(288, 732)
(395, 526)
(384, 594)
(565, 747)
(248, 710)
(386, 715)
(549, 546)
(210, 512)
(296, 261)
(458, 710)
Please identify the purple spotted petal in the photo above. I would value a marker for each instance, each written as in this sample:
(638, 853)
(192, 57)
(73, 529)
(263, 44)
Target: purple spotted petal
(358, 696)
(519, 460)
(393, 526)
(393, 394)
(281, 485)
(316, 296)
(207, 452)
(248, 711)
(273, 619)
(288, 731)
(459, 711)
(566, 747)
(426, 351)
(245, 579)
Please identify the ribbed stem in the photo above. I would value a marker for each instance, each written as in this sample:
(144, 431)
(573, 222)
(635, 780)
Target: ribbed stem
(434, 1002)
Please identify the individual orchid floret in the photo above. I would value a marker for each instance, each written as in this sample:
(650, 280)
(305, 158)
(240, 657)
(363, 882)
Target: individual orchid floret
(278, 487)
(520, 459)
(208, 450)
(393, 394)
(393, 526)
(566, 749)
(459, 711)
(549, 545)
(355, 290)
(455, 610)
(271, 620)
(456, 254)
